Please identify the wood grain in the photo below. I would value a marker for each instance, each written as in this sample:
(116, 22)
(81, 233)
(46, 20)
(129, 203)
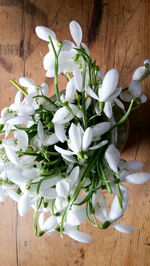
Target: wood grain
(117, 32)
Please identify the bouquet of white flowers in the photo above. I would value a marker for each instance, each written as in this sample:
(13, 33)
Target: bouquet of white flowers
(57, 155)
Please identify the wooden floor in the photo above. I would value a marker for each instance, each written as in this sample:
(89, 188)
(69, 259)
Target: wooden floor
(118, 34)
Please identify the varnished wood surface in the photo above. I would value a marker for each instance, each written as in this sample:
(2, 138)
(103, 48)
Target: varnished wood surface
(117, 32)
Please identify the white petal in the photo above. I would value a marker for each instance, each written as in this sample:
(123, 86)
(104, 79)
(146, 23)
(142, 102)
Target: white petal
(15, 176)
(119, 103)
(75, 110)
(99, 214)
(76, 217)
(49, 193)
(115, 211)
(50, 223)
(2, 195)
(51, 140)
(69, 158)
(45, 89)
(126, 97)
(95, 197)
(62, 188)
(41, 220)
(108, 109)
(123, 228)
(87, 139)
(40, 131)
(78, 79)
(18, 99)
(62, 151)
(50, 73)
(133, 165)
(99, 145)
(112, 156)
(87, 103)
(76, 32)
(143, 98)
(67, 45)
(19, 120)
(70, 90)
(79, 236)
(60, 132)
(22, 139)
(109, 85)
(24, 204)
(12, 156)
(30, 173)
(147, 61)
(91, 93)
(26, 82)
(138, 178)
(60, 115)
(49, 61)
(139, 72)
(49, 182)
(73, 177)
(75, 137)
(25, 109)
(43, 32)
(135, 89)
(99, 129)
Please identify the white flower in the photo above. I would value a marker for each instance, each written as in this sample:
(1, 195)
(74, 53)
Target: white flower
(114, 214)
(134, 91)
(108, 93)
(140, 71)
(48, 225)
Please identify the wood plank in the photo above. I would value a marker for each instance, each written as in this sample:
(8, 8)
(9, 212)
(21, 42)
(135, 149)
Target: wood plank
(11, 67)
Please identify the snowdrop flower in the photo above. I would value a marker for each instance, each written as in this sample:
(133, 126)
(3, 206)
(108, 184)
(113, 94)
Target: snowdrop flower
(63, 115)
(114, 214)
(79, 141)
(134, 91)
(140, 71)
(68, 187)
(108, 93)
(48, 225)
(44, 139)
(19, 142)
(32, 88)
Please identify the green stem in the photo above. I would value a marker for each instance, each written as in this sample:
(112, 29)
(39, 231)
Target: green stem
(56, 70)
(124, 118)
(83, 97)
(105, 179)
(18, 87)
(91, 163)
(144, 76)
(46, 98)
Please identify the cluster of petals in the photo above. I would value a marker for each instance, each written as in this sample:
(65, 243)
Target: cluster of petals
(47, 147)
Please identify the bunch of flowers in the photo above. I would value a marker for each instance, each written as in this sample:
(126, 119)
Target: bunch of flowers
(58, 156)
